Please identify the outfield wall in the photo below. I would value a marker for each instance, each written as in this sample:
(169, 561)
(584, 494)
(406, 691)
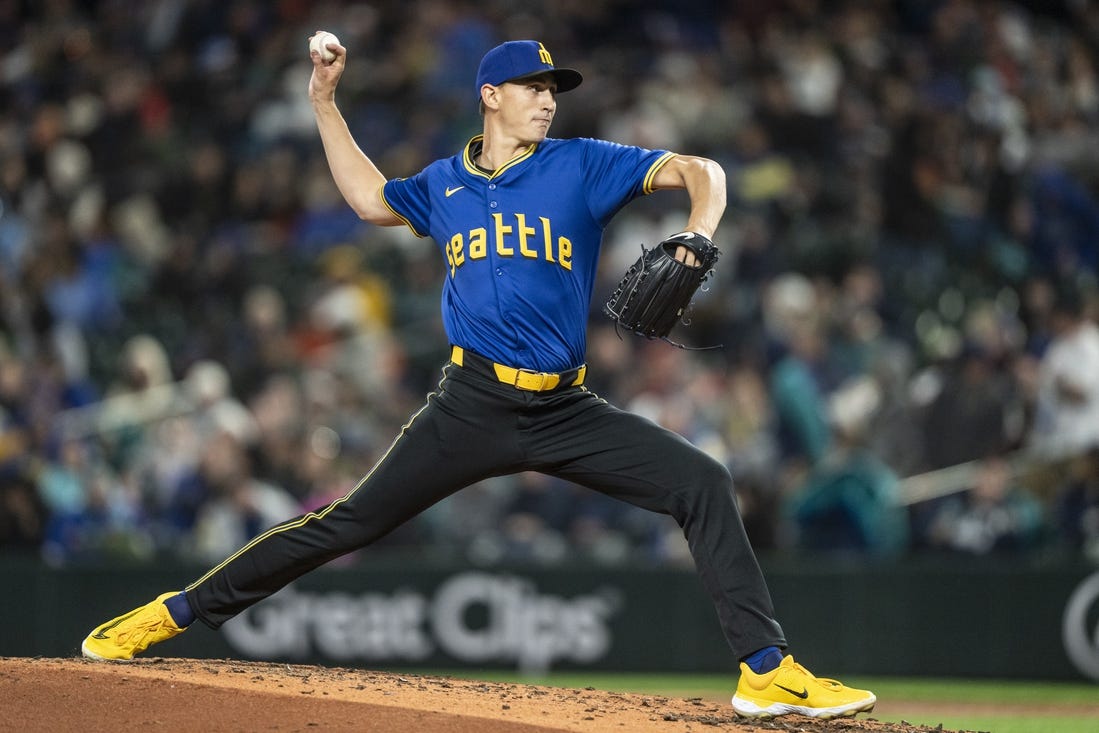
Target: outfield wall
(925, 619)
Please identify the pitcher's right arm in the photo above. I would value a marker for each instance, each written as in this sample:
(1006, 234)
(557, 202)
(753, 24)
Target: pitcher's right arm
(356, 176)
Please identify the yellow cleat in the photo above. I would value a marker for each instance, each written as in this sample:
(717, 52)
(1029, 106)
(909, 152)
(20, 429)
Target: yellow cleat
(791, 688)
(121, 638)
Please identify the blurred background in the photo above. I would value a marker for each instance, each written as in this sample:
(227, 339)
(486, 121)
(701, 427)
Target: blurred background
(198, 338)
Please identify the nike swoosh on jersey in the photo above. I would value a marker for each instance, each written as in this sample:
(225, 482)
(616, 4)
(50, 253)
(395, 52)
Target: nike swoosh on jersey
(451, 191)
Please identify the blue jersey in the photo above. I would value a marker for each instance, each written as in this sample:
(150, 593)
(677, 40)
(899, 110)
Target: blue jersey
(522, 243)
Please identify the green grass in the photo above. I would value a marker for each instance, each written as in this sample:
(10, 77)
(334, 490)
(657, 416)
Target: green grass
(906, 699)
(1004, 706)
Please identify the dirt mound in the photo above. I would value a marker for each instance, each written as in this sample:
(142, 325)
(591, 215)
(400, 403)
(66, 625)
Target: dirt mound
(226, 695)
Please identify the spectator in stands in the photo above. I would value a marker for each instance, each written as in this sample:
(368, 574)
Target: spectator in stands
(94, 515)
(753, 452)
(262, 346)
(142, 393)
(975, 411)
(850, 502)
(996, 515)
(15, 433)
(532, 523)
(23, 515)
(214, 409)
(238, 506)
(1066, 410)
(1077, 508)
(798, 378)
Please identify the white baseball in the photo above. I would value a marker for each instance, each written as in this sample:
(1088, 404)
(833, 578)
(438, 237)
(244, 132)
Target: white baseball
(319, 43)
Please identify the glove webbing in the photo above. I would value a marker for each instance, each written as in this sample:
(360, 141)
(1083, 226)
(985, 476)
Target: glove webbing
(650, 308)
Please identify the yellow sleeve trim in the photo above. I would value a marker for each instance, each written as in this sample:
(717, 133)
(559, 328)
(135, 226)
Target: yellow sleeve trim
(406, 222)
(647, 186)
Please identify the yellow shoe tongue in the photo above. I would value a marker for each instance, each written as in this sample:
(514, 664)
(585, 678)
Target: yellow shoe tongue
(789, 663)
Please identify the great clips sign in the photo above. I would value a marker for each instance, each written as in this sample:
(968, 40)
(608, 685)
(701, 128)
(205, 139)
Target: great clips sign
(469, 618)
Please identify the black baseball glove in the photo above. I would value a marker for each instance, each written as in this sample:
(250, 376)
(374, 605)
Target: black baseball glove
(657, 289)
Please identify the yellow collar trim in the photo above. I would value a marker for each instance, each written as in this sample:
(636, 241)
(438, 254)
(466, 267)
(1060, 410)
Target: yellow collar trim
(471, 167)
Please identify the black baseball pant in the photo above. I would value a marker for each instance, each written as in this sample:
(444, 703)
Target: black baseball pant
(474, 427)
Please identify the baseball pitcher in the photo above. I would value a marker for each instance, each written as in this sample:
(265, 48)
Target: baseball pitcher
(519, 217)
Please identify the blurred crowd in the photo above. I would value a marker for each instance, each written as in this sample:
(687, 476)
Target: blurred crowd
(198, 338)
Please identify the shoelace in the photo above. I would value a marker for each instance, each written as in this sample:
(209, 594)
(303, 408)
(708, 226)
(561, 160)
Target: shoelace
(823, 680)
(143, 627)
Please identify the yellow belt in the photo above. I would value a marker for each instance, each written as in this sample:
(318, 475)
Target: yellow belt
(525, 379)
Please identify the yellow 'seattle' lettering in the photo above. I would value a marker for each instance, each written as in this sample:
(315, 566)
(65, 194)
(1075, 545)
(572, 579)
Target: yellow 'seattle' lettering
(547, 238)
(506, 237)
(524, 233)
(564, 252)
(478, 243)
(502, 230)
(455, 253)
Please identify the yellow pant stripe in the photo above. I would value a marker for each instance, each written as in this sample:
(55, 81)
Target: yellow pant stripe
(302, 520)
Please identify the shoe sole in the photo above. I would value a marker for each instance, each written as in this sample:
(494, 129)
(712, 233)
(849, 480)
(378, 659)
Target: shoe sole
(748, 709)
(89, 654)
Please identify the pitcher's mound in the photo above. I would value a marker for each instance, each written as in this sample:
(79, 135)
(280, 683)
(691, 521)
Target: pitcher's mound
(176, 695)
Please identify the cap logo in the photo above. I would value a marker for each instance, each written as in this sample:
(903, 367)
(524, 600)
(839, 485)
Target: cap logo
(520, 60)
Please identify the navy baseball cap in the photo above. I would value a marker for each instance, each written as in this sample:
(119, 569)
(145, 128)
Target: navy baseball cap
(516, 60)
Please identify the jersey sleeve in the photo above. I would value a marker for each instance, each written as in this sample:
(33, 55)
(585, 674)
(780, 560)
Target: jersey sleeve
(616, 174)
(407, 198)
